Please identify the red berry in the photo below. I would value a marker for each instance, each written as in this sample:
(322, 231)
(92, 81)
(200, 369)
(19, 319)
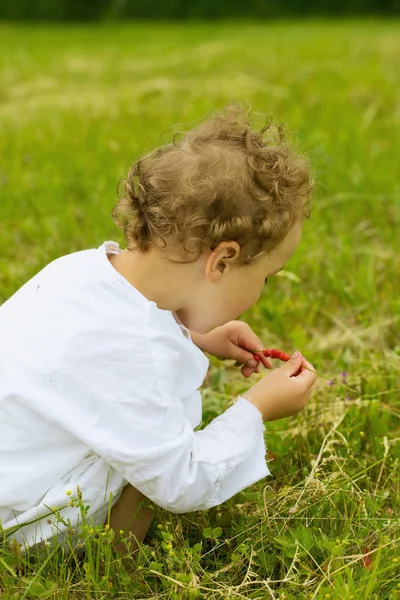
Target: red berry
(275, 353)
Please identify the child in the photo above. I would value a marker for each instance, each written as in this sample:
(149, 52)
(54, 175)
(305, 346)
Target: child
(101, 352)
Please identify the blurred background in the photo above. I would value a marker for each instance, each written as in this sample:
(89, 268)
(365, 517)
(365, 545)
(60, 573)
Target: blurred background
(99, 10)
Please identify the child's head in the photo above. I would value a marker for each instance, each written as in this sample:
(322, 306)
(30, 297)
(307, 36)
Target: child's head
(224, 197)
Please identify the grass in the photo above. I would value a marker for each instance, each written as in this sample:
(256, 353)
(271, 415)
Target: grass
(77, 105)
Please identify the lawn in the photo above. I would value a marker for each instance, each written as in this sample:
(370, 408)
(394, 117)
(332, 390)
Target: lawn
(77, 105)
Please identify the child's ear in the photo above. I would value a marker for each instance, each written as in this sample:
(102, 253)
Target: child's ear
(220, 259)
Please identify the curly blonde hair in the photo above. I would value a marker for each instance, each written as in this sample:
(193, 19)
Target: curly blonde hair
(222, 181)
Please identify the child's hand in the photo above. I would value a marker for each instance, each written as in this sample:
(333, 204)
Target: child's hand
(235, 341)
(282, 393)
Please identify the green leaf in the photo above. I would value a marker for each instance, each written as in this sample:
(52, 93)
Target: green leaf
(9, 569)
(217, 532)
(36, 588)
(291, 550)
(184, 577)
(235, 558)
(156, 566)
(207, 533)
(305, 537)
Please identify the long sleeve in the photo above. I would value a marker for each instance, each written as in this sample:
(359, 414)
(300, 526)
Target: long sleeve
(196, 470)
(99, 387)
(134, 418)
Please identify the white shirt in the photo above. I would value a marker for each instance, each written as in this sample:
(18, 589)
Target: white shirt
(99, 387)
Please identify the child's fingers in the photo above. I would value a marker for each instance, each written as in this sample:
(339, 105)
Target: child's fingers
(248, 368)
(307, 375)
(246, 358)
(247, 371)
(264, 360)
(251, 343)
(254, 364)
(293, 365)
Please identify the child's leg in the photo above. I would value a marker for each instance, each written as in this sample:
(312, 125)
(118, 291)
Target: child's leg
(129, 516)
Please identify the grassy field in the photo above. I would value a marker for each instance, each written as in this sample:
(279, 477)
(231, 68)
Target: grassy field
(77, 105)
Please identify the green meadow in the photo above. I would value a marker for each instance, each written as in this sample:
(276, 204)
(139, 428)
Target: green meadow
(77, 105)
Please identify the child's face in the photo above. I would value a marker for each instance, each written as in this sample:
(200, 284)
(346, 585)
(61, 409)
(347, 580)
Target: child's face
(227, 289)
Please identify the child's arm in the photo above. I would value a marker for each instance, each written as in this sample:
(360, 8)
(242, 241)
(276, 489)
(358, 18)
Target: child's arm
(144, 432)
